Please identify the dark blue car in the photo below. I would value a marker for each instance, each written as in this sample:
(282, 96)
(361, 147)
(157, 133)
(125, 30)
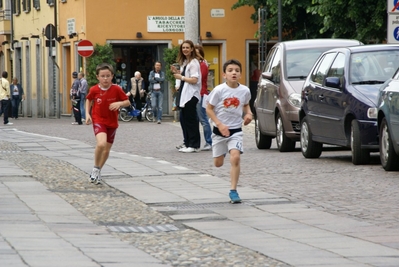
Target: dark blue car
(388, 123)
(339, 99)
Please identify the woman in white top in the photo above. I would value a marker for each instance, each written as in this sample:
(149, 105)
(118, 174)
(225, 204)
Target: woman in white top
(189, 95)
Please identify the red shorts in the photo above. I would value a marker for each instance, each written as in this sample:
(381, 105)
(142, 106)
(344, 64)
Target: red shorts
(101, 128)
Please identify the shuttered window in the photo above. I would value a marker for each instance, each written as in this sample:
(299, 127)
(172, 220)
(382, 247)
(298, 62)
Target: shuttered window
(26, 4)
(36, 4)
(17, 7)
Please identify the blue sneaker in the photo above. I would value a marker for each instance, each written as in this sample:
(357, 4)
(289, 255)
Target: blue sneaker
(234, 197)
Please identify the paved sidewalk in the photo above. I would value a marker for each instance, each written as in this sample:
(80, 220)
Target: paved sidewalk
(38, 228)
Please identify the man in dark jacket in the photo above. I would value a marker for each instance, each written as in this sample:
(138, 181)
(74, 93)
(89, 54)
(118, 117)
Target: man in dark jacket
(75, 98)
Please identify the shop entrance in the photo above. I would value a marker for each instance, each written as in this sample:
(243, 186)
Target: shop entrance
(130, 59)
(136, 57)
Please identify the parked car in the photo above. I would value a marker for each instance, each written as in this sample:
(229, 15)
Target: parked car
(278, 97)
(388, 123)
(339, 99)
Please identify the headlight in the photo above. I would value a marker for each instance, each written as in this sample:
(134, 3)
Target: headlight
(295, 100)
(372, 113)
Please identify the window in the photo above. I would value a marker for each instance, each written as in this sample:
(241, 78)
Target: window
(36, 4)
(1, 3)
(16, 6)
(50, 2)
(337, 68)
(320, 72)
(269, 59)
(26, 5)
(276, 67)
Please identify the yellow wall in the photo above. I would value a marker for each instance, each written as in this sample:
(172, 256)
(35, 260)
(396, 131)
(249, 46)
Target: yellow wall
(25, 25)
(102, 21)
(117, 22)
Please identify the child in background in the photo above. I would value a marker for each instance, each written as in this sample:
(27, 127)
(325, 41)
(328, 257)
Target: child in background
(226, 104)
(104, 100)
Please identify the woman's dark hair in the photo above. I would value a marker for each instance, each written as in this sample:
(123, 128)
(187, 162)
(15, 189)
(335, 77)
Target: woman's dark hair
(201, 51)
(181, 57)
(4, 74)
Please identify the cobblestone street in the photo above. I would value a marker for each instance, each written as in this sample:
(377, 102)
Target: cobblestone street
(358, 201)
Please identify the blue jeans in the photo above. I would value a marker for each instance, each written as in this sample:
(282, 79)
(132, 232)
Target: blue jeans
(15, 101)
(156, 103)
(82, 105)
(203, 118)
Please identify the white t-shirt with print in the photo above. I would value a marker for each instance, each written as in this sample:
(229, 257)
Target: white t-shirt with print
(228, 103)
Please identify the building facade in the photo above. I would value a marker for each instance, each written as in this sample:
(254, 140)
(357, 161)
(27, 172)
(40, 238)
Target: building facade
(138, 32)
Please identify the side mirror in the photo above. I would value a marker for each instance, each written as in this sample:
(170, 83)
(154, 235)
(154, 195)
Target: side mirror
(333, 82)
(267, 75)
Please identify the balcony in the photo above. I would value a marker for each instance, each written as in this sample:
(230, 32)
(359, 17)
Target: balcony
(5, 21)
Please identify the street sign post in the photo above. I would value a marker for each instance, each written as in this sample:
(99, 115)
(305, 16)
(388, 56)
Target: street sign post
(85, 48)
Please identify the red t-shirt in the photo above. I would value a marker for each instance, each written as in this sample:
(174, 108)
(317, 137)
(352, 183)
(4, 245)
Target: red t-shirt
(204, 78)
(102, 99)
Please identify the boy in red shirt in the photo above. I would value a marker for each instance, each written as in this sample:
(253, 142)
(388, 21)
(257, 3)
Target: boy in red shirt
(104, 100)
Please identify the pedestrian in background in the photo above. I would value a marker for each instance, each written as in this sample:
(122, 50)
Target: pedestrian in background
(104, 100)
(226, 104)
(5, 97)
(201, 111)
(75, 99)
(137, 91)
(189, 95)
(156, 80)
(17, 96)
(82, 92)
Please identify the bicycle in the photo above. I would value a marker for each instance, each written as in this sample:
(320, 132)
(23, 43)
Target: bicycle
(127, 114)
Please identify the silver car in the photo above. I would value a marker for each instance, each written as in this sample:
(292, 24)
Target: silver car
(278, 98)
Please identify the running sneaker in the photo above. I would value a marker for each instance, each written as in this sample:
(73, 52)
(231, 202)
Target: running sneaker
(95, 176)
(234, 197)
(181, 146)
(189, 150)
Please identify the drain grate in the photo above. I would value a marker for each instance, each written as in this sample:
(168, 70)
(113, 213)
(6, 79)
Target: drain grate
(10, 151)
(143, 229)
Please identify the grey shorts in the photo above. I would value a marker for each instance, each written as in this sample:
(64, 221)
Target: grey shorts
(221, 145)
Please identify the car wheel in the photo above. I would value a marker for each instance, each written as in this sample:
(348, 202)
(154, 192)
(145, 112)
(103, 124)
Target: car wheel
(388, 156)
(262, 141)
(124, 115)
(359, 156)
(284, 144)
(309, 148)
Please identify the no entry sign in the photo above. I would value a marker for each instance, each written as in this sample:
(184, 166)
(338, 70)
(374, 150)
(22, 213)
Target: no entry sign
(85, 48)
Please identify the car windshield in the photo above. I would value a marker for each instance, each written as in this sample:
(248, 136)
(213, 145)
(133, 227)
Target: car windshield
(373, 67)
(298, 62)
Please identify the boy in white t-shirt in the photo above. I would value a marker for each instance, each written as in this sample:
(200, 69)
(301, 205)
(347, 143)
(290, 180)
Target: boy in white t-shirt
(226, 104)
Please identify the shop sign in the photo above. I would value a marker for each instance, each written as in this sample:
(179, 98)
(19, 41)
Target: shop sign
(70, 26)
(165, 24)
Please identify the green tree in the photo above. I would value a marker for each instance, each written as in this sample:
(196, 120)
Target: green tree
(170, 56)
(101, 54)
(362, 20)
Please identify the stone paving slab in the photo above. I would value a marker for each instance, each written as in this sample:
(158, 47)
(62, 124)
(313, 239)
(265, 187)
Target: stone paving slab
(38, 228)
(267, 223)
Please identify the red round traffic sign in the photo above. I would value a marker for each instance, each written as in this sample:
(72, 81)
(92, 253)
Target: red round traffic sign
(85, 48)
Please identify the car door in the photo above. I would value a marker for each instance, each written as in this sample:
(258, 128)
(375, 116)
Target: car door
(393, 103)
(315, 92)
(265, 101)
(332, 101)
